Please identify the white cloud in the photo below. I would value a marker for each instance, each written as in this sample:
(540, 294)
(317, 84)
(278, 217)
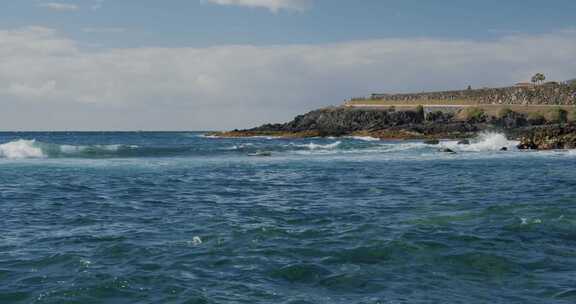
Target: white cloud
(273, 5)
(57, 6)
(47, 82)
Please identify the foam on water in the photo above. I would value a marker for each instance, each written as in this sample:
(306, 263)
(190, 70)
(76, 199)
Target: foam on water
(20, 149)
(485, 142)
(328, 227)
(365, 138)
(314, 146)
(27, 149)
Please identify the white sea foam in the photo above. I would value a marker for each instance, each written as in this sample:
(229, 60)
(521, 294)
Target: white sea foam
(23, 149)
(313, 146)
(240, 146)
(365, 138)
(69, 149)
(20, 149)
(485, 142)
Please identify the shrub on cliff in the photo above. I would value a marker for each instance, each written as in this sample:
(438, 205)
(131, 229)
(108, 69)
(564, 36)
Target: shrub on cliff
(536, 118)
(420, 113)
(505, 112)
(473, 114)
(572, 116)
(557, 115)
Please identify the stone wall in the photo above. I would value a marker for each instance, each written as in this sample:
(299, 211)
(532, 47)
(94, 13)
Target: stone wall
(549, 94)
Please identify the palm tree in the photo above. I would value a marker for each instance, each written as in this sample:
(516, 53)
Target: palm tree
(538, 78)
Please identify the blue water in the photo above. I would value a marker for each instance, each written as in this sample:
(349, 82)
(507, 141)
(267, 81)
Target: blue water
(182, 218)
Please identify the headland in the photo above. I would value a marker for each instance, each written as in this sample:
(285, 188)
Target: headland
(540, 116)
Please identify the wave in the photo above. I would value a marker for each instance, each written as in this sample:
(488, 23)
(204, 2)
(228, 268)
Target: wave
(314, 146)
(23, 149)
(485, 142)
(364, 138)
(31, 149)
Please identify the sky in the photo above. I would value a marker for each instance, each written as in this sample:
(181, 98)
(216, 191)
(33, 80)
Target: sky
(225, 64)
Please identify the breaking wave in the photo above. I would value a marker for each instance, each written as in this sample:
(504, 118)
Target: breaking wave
(485, 142)
(365, 138)
(33, 149)
(314, 146)
(23, 148)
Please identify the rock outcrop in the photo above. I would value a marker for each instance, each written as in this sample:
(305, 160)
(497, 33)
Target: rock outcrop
(414, 124)
(548, 137)
(385, 123)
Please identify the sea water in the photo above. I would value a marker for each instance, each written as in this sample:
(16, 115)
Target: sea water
(184, 218)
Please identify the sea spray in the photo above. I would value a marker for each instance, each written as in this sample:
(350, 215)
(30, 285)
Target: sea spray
(364, 138)
(314, 146)
(29, 149)
(484, 142)
(20, 149)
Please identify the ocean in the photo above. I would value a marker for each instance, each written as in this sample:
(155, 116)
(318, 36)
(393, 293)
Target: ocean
(161, 217)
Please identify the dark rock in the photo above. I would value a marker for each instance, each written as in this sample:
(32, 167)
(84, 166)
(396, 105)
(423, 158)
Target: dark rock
(447, 150)
(439, 117)
(548, 137)
(512, 120)
(342, 121)
(503, 149)
(464, 142)
(432, 142)
(408, 124)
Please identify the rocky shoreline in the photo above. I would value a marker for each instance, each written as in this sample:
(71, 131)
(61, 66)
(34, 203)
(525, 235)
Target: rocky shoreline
(533, 131)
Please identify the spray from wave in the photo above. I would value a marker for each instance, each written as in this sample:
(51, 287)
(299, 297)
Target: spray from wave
(364, 138)
(21, 149)
(24, 149)
(314, 146)
(485, 142)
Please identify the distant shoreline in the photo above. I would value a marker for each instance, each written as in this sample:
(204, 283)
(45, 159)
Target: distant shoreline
(541, 117)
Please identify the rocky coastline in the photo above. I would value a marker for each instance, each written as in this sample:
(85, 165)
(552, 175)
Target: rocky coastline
(533, 131)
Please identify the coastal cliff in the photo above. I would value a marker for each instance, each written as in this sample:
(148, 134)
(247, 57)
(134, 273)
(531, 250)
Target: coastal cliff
(540, 117)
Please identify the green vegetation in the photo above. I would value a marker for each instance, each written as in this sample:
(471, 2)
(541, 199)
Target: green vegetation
(557, 115)
(474, 114)
(420, 112)
(538, 78)
(536, 118)
(504, 112)
(572, 116)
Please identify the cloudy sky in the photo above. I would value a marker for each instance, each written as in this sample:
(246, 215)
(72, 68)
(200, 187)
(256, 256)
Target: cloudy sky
(220, 64)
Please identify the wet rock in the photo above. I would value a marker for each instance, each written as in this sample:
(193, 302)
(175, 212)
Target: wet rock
(432, 142)
(503, 149)
(447, 150)
(464, 142)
